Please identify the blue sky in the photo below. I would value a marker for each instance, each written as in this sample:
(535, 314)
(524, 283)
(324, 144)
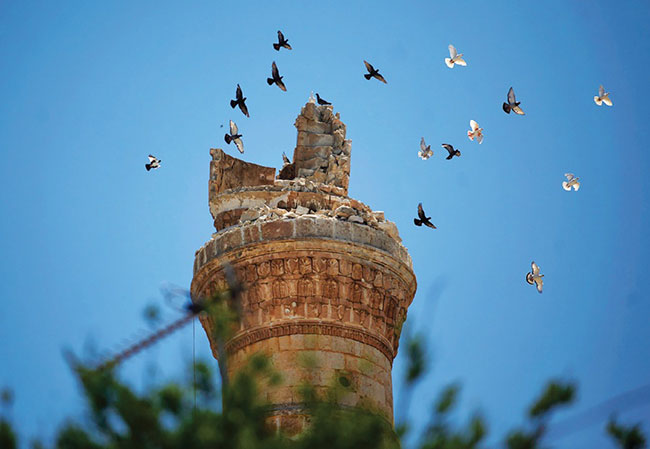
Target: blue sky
(88, 89)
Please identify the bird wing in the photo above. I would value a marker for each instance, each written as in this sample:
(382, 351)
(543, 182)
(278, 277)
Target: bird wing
(280, 36)
(517, 110)
(380, 78)
(369, 66)
(244, 108)
(539, 281)
(511, 96)
(421, 213)
(460, 61)
(448, 147)
(606, 100)
(275, 72)
(233, 128)
(480, 138)
(238, 94)
(576, 185)
(151, 158)
(281, 84)
(429, 224)
(535, 268)
(452, 51)
(423, 145)
(285, 159)
(601, 91)
(473, 125)
(569, 176)
(239, 144)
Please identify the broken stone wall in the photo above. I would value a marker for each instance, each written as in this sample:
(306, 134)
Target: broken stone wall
(322, 153)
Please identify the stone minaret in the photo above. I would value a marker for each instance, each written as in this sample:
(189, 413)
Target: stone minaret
(326, 277)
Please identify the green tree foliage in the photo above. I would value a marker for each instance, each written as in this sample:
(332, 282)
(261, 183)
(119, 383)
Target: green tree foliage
(627, 437)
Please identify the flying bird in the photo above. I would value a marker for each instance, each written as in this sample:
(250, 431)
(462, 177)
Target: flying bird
(240, 101)
(603, 97)
(285, 159)
(451, 150)
(277, 79)
(455, 58)
(475, 132)
(425, 150)
(234, 136)
(423, 220)
(321, 101)
(512, 104)
(154, 163)
(372, 72)
(282, 42)
(534, 278)
(571, 181)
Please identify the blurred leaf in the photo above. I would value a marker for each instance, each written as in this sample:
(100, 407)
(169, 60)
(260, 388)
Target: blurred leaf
(555, 394)
(627, 437)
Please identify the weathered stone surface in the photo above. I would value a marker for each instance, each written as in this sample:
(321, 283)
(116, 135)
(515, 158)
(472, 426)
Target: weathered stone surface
(326, 278)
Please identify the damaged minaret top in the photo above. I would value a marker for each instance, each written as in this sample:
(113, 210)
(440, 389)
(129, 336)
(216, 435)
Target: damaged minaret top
(322, 153)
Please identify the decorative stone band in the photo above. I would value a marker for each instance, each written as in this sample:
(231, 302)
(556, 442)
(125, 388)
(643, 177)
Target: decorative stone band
(310, 328)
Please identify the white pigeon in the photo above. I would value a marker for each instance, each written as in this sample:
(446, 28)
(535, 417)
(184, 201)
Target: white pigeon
(571, 181)
(475, 132)
(425, 150)
(603, 97)
(456, 58)
(154, 163)
(234, 137)
(534, 278)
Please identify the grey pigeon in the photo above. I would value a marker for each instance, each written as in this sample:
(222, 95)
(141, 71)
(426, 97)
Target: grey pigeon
(512, 104)
(235, 137)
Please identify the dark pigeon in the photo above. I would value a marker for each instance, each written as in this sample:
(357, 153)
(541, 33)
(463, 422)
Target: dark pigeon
(372, 72)
(451, 150)
(282, 42)
(423, 220)
(239, 101)
(321, 101)
(277, 79)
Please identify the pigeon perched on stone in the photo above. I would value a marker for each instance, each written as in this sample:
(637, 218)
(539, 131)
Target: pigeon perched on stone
(277, 79)
(239, 101)
(282, 42)
(425, 150)
(534, 278)
(603, 97)
(321, 101)
(423, 219)
(571, 181)
(512, 104)
(154, 163)
(285, 159)
(372, 72)
(475, 132)
(235, 137)
(451, 151)
(455, 58)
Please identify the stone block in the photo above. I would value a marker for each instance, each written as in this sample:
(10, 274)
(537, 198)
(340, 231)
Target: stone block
(278, 229)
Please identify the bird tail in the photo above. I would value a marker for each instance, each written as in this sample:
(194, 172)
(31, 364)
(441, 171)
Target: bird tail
(565, 186)
(367, 76)
(147, 166)
(270, 81)
(506, 108)
(470, 134)
(233, 103)
(417, 222)
(449, 63)
(277, 47)
(227, 138)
